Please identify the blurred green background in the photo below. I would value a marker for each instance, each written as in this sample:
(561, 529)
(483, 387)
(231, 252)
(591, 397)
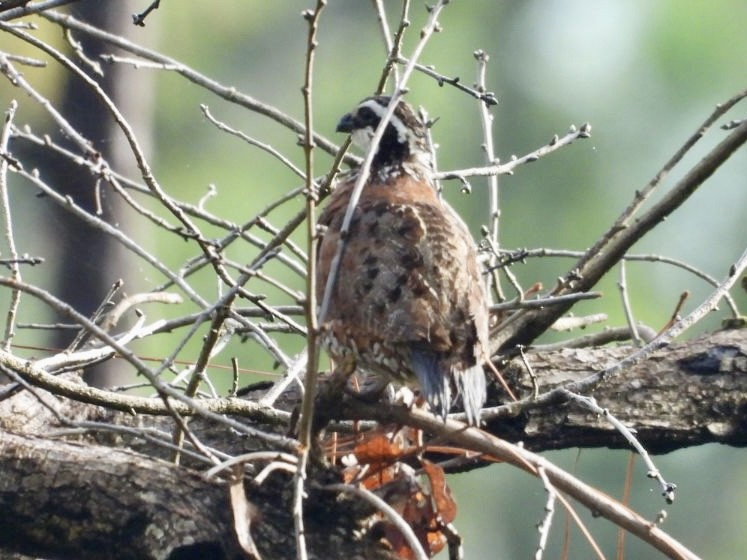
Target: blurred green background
(644, 74)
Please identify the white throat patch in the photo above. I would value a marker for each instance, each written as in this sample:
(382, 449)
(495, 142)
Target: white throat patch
(362, 137)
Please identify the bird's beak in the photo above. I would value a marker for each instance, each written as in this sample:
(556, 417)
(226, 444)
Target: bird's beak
(346, 123)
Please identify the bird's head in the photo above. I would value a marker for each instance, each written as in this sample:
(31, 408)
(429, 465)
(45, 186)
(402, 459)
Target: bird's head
(404, 140)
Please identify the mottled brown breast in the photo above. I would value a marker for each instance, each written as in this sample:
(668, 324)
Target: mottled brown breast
(408, 278)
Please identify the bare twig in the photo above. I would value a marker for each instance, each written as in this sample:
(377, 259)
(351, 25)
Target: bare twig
(588, 383)
(623, 287)
(228, 93)
(145, 170)
(393, 46)
(16, 78)
(543, 301)
(643, 194)
(522, 254)
(581, 322)
(544, 527)
(667, 488)
(139, 18)
(305, 434)
(486, 97)
(32, 8)
(494, 212)
(249, 140)
(105, 305)
(609, 334)
(456, 433)
(211, 409)
(526, 325)
(5, 215)
(508, 168)
(116, 233)
(231, 462)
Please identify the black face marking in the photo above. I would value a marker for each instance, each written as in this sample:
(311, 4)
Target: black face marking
(403, 138)
(364, 117)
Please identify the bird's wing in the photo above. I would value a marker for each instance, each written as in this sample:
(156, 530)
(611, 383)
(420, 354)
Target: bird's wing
(408, 275)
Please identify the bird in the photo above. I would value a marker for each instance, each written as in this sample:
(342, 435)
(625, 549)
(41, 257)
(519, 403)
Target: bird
(407, 301)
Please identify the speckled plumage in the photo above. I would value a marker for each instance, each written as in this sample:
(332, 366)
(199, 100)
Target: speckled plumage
(408, 301)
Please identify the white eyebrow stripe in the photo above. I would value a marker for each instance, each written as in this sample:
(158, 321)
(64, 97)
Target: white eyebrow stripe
(395, 121)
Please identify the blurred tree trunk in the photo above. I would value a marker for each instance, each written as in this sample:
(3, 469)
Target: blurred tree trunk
(90, 262)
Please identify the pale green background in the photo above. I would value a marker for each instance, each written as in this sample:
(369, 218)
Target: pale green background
(644, 74)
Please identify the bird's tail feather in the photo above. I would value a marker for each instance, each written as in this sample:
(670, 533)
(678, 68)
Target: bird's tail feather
(470, 384)
(433, 381)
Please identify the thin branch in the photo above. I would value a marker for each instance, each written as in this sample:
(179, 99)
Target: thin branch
(470, 438)
(33, 8)
(272, 456)
(623, 287)
(305, 433)
(508, 168)
(393, 46)
(643, 194)
(105, 305)
(227, 93)
(101, 225)
(486, 97)
(249, 140)
(139, 18)
(667, 488)
(142, 163)
(527, 325)
(16, 79)
(544, 527)
(520, 255)
(543, 301)
(588, 383)
(213, 409)
(5, 215)
(494, 212)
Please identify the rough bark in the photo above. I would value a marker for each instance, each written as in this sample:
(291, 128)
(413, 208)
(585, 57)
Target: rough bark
(689, 393)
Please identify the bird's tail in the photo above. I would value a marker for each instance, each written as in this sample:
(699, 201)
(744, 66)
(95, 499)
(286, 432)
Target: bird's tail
(470, 384)
(433, 380)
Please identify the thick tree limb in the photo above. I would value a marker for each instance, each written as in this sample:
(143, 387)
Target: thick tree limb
(71, 500)
(689, 393)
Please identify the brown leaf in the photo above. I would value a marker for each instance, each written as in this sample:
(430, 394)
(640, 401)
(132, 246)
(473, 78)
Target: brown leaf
(443, 501)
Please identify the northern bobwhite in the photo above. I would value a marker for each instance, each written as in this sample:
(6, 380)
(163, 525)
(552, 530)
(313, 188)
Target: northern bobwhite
(408, 300)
